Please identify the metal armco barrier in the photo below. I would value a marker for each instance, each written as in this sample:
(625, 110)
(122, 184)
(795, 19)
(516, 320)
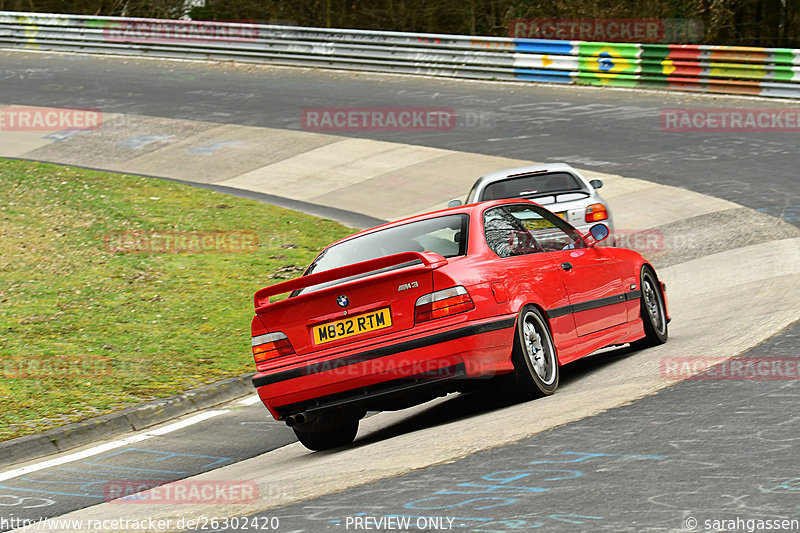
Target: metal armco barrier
(703, 68)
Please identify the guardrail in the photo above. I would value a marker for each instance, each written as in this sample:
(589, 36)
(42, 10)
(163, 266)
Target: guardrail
(718, 69)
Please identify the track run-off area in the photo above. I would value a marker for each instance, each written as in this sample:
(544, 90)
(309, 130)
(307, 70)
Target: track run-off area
(623, 445)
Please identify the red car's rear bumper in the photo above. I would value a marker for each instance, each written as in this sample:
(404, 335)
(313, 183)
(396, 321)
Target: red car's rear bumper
(466, 350)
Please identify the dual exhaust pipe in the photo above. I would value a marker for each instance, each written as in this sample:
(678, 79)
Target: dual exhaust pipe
(299, 419)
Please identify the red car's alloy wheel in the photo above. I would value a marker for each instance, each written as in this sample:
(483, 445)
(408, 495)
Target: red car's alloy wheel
(654, 317)
(535, 362)
(538, 348)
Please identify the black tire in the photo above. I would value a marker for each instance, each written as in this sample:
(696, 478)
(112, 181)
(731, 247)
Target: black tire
(535, 361)
(654, 315)
(328, 438)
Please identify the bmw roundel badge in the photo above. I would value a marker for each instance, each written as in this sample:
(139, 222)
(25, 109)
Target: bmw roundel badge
(343, 301)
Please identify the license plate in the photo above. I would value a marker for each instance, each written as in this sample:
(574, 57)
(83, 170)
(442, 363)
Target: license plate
(538, 223)
(354, 325)
(562, 214)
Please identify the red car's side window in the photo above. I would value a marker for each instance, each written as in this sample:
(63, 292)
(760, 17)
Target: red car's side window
(520, 230)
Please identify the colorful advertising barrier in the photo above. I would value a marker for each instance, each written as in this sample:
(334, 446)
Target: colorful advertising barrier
(648, 64)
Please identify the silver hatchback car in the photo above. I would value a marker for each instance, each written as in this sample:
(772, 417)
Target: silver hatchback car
(558, 187)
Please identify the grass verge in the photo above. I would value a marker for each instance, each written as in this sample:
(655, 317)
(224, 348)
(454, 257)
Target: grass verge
(111, 293)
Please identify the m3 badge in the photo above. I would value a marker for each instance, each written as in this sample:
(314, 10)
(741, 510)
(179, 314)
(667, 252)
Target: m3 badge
(406, 286)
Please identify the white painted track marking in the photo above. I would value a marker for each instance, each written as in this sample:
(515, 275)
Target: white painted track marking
(109, 446)
(252, 400)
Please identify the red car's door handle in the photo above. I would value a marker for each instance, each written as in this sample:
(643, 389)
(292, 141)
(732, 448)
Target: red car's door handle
(566, 266)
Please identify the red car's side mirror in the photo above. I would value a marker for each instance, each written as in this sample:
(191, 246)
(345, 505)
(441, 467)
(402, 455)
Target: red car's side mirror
(598, 232)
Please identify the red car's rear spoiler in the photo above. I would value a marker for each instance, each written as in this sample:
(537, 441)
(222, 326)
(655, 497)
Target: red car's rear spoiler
(429, 259)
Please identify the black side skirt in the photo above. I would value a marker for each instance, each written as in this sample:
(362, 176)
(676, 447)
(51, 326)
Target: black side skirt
(594, 304)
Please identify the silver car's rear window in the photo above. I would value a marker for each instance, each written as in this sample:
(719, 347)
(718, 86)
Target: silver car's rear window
(532, 185)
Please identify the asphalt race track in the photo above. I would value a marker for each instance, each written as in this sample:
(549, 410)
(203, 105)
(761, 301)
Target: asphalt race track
(708, 446)
(611, 131)
(699, 449)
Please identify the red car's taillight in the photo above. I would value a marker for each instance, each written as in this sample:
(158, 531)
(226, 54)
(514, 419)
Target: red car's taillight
(596, 213)
(271, 346)
(442, 303)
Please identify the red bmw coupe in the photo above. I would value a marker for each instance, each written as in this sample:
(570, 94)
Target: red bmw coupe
(408, 311)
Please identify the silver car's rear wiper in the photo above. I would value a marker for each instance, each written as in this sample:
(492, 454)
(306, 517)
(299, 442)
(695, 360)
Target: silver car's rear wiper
(554, 193)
